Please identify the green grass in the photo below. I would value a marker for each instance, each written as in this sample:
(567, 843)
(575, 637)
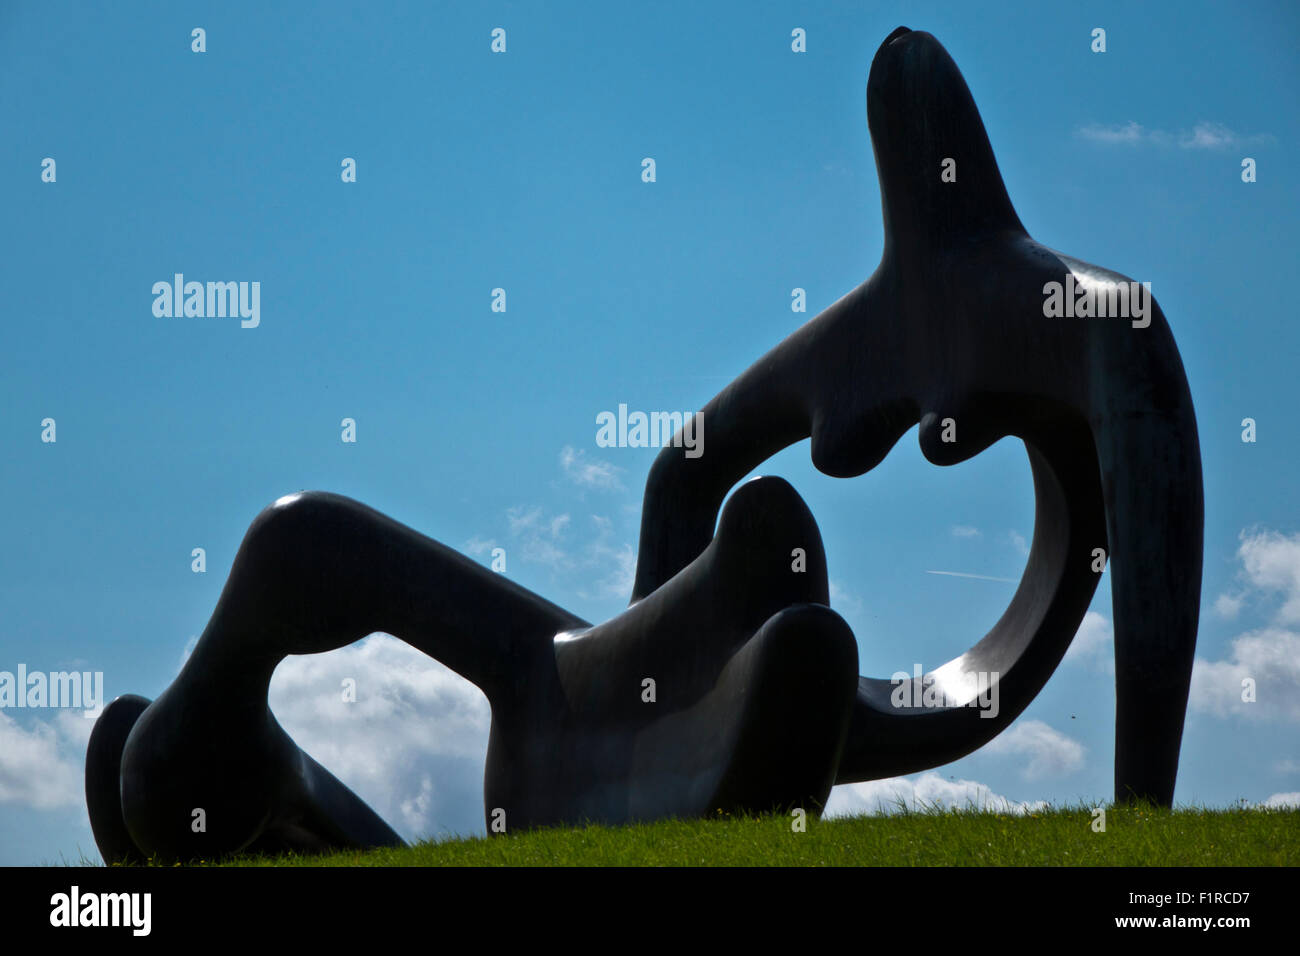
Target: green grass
(1139, 836)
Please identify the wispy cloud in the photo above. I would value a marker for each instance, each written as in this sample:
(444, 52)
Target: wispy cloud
(607, 567)
(1129, 132)
(1204, 135)
(589, 472)
(1208, 136)
(844, 600)
(619, 559)
(1046, 752)
(1093, 644)
(965, 531)
(1019, 543)
(540, 536)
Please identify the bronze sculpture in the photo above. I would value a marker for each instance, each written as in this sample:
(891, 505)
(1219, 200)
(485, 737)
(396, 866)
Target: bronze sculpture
(757, 703)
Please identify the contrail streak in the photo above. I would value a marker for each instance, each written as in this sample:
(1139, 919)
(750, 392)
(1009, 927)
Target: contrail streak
(981, 577)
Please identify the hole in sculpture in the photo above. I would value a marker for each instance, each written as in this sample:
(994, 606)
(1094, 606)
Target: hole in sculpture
(402, 731)
(923, 559)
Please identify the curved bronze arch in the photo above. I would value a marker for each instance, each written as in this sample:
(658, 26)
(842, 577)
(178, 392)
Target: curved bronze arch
(952, 326)
(1020, 652)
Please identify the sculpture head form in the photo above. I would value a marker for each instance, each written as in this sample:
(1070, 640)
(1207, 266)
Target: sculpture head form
(921, 115)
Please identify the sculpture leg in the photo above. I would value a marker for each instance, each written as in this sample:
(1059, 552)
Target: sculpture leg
(314, 572)
(318, 571)
(792, 690)
(104, 778)
(753, 681)
(1154, 515)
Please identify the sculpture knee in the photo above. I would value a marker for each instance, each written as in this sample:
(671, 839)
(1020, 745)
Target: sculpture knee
(769, 544)
(295, 568)
(290, 523)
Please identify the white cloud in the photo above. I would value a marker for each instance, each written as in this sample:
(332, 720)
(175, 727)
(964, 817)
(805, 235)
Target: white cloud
(1047, 752)
(415, 809)
(1228, 606)
(1093, 643)
(480, 546)
(1287, 765)
(539, 536)
(74, 729)
(965, 531)
(1269, 656)
(844, 600)
(920, 793)
(412, 745)
(607, 568)
(1283, 800)
(532, 520)
(1208, 136)
(39, 765)
(589, 472)
(1204, 135)
(621, 561)
(617, 560)
(1129, 132)
(1271, 562)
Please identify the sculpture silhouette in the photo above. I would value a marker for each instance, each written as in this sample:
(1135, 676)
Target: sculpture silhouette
(757, 703)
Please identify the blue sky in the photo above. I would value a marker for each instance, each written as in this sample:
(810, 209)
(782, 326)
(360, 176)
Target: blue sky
(522, 171)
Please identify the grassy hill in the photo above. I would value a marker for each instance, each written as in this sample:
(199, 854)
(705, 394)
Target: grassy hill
(1141, 836)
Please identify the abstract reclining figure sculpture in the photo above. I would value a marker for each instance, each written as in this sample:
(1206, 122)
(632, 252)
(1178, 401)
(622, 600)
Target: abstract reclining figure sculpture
(758, 701)
(755, 677)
